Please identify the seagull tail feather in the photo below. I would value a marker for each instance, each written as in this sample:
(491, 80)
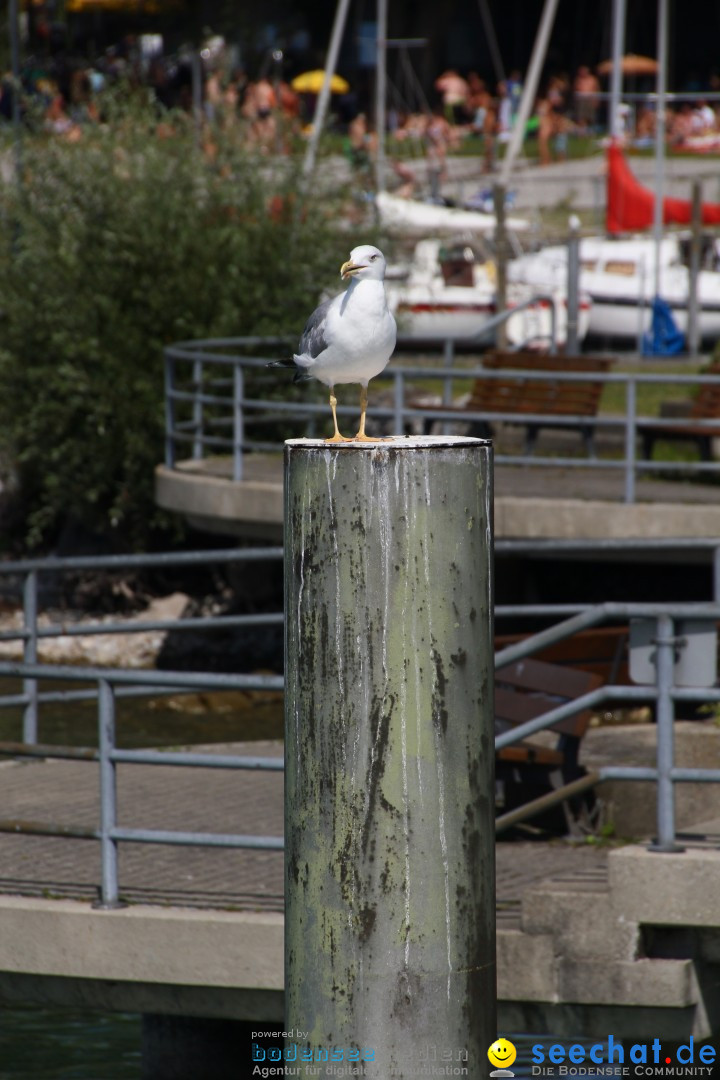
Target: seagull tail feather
(288, 362)
(301, 374)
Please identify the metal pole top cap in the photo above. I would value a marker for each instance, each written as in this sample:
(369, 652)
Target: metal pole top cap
(396, 442)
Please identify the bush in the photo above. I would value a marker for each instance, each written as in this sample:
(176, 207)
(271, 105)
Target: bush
(111, 248)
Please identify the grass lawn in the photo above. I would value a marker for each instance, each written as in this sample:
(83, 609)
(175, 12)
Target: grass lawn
(650, 396)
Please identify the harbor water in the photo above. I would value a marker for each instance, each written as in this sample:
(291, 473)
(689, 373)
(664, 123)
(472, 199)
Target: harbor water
(59, 1044)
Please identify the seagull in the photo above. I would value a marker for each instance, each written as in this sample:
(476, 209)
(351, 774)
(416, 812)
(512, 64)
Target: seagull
(350, 338)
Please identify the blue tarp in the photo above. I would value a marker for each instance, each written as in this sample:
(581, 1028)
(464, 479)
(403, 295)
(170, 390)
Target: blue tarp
(663, 337)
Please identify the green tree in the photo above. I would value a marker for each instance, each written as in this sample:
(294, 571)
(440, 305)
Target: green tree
(113, 247)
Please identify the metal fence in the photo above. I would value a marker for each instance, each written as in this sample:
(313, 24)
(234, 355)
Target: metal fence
(212, 409)
(28, 572)
(663, 692)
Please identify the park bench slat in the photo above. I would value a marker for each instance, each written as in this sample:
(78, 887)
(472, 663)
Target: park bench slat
(547, 398)
(524, 690)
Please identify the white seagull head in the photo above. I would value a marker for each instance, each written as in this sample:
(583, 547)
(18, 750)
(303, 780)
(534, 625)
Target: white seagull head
(366, 263)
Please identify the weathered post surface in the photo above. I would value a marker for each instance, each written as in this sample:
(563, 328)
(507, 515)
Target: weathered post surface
(389, 753)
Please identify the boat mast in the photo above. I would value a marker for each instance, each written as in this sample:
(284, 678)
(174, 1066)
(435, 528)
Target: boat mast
(661, 87)
(529, 90)
(380, 92)
(618, 40)
(324, 97)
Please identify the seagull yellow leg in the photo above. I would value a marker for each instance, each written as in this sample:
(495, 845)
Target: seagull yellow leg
(361, 436)
(336, 436)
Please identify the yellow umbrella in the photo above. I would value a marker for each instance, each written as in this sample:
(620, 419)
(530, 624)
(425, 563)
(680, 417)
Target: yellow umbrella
(147, 7)
(311, 82)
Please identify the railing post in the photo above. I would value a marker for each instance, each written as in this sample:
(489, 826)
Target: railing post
(573, 279)
(447, 393)
(630, 431)
(198, 412)
(553, 328)
(238, 422)
(30, 629)
(169, 411)
(665, 643)
(389, 758)
(399, 400)
(108, 796)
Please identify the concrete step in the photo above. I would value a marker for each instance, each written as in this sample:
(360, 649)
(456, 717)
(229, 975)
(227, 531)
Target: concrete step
(667, 889)
(584, 925)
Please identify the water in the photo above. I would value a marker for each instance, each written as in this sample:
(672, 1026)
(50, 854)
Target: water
(64, 1044)
(70, 1044)
(67, 1044)
(181, 720)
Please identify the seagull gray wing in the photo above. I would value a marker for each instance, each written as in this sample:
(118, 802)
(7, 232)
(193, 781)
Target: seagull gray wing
(313, 341)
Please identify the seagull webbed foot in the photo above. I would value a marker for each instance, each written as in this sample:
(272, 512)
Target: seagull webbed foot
(362, 437)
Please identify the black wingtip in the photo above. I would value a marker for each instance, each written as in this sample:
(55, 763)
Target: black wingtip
(300, 375)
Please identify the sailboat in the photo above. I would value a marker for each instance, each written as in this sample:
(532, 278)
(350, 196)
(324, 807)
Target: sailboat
(413, 218)
(450, 291)
(620, 272)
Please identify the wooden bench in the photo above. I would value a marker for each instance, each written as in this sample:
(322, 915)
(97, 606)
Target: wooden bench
(704, 406)
(524, 690)
(602, 650)
(546, 397)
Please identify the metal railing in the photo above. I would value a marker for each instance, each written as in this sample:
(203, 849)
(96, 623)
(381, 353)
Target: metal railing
(109, 832)
(111, 683)
(663, 694)
(210, 410)
(30, 572)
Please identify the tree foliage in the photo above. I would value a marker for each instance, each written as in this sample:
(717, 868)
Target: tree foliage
(111, 248)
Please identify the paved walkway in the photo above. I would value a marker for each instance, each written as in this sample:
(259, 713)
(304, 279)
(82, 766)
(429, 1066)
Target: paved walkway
(66, 792)
(578, 184)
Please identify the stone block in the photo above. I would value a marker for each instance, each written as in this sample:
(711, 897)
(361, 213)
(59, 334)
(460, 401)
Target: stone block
(583, 924)
(657, 983)
(525, 967)
(632, 806)
(666, 889)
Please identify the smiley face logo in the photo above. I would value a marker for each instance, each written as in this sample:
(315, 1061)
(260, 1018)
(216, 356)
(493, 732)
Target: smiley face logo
(502, 1053)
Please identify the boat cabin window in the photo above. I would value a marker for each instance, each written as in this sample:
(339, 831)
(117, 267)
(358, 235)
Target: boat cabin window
(456, 265)
(588, 264)
(626, 267)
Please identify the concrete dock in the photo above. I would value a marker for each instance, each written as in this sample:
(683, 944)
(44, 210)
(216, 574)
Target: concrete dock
(548, 503)
(590, 938)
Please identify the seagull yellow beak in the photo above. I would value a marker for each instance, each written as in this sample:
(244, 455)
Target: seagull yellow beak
(348, 269)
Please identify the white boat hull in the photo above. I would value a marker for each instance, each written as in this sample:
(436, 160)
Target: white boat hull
(619, 277)
(407, 217)
(428, 309)
(430, 319)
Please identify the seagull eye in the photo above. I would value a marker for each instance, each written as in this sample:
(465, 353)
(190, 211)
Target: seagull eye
(373, 258)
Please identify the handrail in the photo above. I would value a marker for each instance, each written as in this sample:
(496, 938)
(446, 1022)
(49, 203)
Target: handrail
(664, 693)
(110, 683)
(209, 417)
(30, 633)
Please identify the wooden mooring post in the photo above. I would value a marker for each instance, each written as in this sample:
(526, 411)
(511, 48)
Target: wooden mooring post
(389, 754)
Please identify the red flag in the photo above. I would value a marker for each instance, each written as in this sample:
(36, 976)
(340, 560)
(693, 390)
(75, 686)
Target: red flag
(631, 207)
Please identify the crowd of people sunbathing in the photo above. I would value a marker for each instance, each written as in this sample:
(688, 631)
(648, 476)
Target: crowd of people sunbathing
(267, 110)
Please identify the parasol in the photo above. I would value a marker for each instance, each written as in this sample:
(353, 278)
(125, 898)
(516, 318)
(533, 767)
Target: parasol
(311, 82)
(140, 7)
(630, 65)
